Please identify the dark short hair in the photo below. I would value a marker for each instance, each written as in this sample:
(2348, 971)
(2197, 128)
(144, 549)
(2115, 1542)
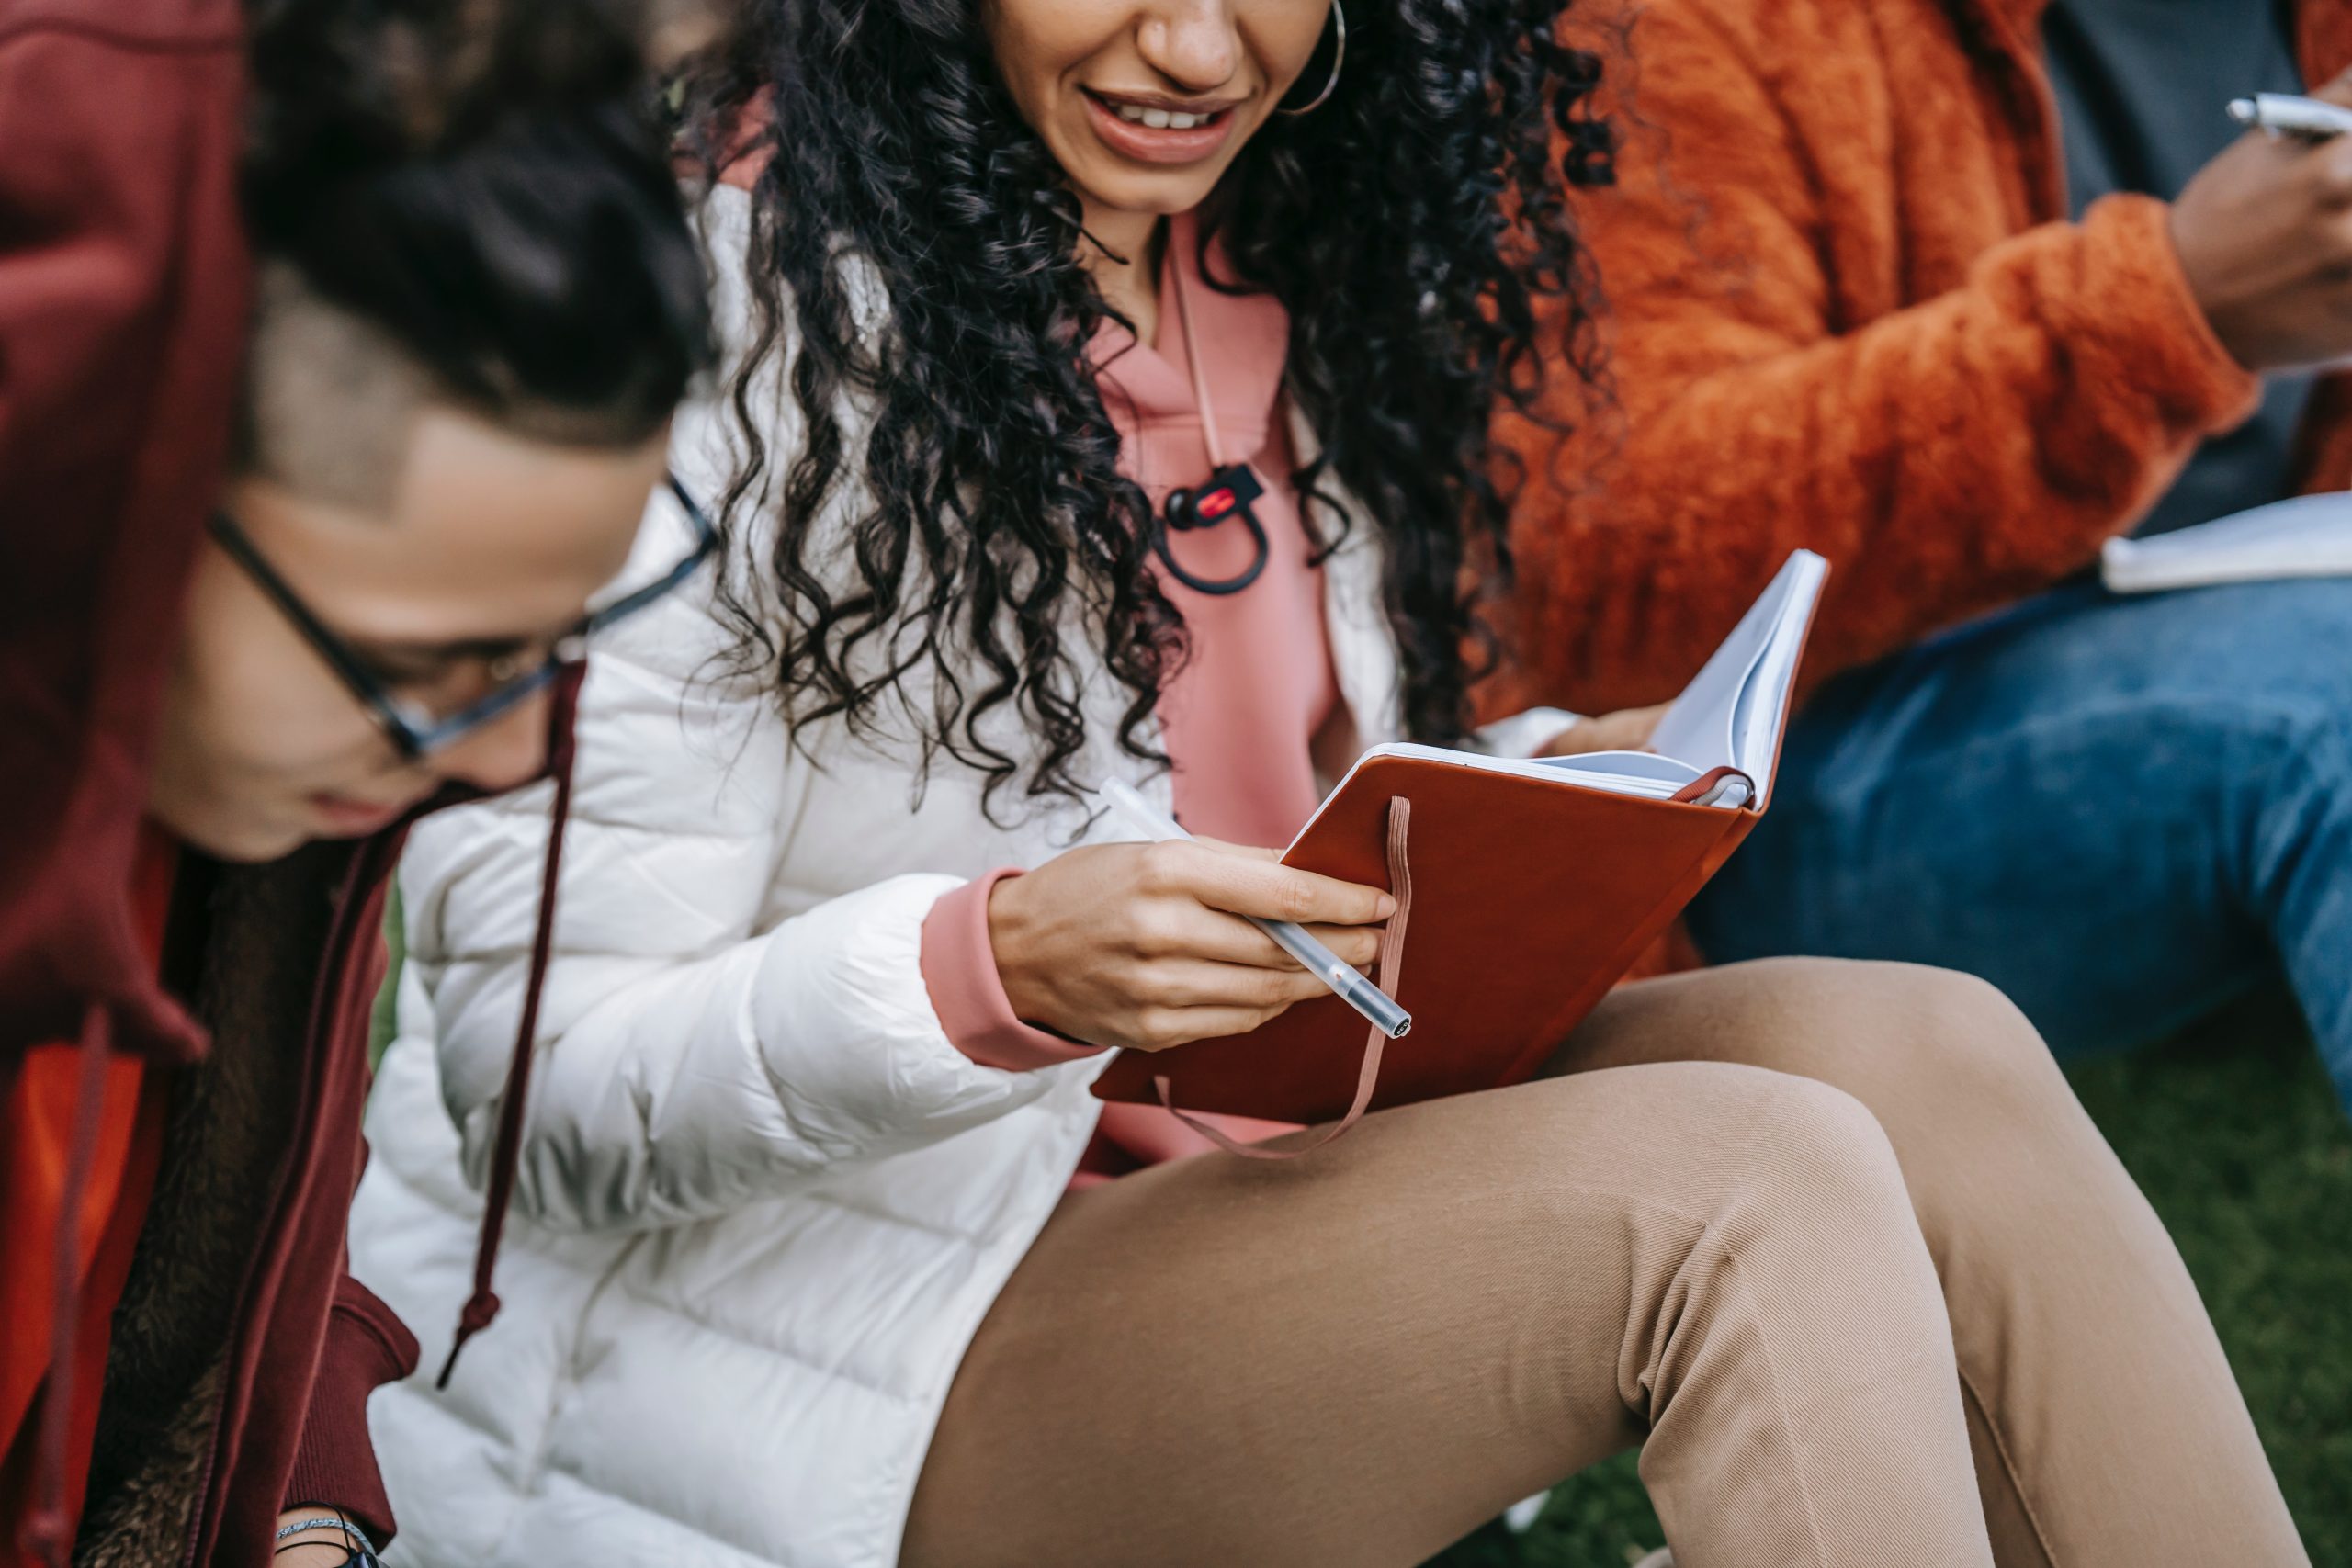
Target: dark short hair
(502, 216)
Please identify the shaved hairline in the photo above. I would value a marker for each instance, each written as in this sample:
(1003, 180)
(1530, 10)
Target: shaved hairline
(329, 401)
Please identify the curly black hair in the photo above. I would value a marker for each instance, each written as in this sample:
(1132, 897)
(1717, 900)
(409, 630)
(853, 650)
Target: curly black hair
(1412, 226)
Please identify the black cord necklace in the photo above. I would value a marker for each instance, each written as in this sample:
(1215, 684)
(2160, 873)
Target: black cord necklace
(1228, 493)
(1225, 494)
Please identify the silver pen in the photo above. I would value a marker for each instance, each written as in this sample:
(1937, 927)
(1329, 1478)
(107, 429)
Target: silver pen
(1348, 983)
(2286, 114)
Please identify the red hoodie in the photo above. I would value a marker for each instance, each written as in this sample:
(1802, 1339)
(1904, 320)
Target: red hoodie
(123, 280)
(124, 297)
(241, 1354)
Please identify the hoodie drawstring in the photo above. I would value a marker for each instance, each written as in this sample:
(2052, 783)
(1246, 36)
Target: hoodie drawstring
(481, 1307)
(48, 1530)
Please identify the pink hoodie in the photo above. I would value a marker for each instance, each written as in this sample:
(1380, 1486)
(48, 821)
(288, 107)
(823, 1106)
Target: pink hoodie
(1239, 719)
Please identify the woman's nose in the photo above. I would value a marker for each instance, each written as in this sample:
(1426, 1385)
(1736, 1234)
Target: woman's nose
(1193, 43)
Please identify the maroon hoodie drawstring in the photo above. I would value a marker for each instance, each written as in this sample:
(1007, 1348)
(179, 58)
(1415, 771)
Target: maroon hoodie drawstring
(481, 1307)
(48, 1530)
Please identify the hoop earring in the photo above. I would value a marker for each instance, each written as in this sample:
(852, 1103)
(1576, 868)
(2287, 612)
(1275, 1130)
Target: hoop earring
(1338, 58)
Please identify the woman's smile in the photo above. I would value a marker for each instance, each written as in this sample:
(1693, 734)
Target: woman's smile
(1153, 128)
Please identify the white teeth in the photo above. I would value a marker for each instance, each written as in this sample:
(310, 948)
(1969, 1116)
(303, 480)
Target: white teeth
(1159, 120)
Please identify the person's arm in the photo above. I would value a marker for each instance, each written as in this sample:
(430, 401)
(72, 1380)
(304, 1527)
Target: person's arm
(1529, 732)
(1944, 458)
(696, 1053)
(959, 970)
(334, 1466)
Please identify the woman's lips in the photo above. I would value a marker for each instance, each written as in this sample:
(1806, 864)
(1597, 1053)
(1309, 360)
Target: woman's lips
(1146, 144)
(344, 818)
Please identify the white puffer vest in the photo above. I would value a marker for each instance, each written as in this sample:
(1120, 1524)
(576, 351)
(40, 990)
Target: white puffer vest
(762, 1203)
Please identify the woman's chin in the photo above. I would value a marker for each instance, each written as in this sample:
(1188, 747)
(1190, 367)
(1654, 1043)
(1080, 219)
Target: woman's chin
(1141, 193)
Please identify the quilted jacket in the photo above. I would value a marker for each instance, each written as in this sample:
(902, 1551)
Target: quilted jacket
(762, 1203)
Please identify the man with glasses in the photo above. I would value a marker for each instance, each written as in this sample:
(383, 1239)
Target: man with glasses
(441, 657)
(505, 673)
(469, 329)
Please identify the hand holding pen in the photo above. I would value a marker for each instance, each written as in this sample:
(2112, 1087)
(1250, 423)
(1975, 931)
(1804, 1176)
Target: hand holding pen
(2264, 234)
(1349, 984)
(1147, 946)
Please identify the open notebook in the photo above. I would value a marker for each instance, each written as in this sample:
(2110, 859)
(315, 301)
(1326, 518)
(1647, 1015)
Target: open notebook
(1729, 717)
(1536, 884)
(2308, 537)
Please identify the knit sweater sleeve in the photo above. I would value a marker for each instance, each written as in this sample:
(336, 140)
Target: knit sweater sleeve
(1977, 446)
(335, 1467)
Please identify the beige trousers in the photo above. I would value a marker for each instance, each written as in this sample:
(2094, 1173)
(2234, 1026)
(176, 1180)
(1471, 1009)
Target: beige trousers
(1832, 1243)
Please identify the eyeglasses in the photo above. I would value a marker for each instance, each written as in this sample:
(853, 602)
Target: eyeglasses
(413, 729)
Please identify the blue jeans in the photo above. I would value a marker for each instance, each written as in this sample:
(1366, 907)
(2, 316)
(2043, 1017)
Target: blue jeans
(2123, 812)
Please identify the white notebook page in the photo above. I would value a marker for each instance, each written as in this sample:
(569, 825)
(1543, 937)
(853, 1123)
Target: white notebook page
(1728, 716)
(2310, 536)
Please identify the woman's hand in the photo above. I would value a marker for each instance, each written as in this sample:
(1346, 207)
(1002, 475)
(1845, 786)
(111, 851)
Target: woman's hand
(1144, 946)
(1627, 731)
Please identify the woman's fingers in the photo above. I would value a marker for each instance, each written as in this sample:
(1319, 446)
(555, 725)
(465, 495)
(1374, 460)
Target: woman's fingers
(1263, 889)
(1203, 932)
(1628, 730)
(1165, 1028)
(1135, 944)
(1197, 983)
(1247, 851)
(1235, 940)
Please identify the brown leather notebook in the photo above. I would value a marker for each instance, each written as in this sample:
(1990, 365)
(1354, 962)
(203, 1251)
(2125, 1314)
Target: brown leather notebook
(1535, 885)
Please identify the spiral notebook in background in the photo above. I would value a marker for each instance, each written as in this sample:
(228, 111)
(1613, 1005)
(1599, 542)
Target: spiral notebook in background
(2310, 536)
(1536, 884)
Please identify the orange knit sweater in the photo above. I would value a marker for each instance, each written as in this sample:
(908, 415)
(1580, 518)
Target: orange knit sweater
(1845, 312)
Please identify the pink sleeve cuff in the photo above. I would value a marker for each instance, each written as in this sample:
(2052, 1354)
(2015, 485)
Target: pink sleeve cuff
(959, 970)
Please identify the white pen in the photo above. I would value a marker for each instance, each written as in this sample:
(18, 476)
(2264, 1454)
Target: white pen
(2285, 114)
(1348, 983)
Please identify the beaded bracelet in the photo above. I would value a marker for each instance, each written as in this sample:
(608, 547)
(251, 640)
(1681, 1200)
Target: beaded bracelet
(363, 1550)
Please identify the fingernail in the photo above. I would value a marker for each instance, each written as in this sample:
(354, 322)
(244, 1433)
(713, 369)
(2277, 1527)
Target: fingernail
(1387, 906)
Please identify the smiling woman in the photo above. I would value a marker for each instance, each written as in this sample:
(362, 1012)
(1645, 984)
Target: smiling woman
(961, 151)
(1181, 102)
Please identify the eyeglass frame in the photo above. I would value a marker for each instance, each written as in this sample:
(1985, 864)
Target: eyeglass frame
(414, 736)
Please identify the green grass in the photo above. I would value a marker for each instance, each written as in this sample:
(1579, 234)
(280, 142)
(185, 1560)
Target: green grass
(2237, 1140)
